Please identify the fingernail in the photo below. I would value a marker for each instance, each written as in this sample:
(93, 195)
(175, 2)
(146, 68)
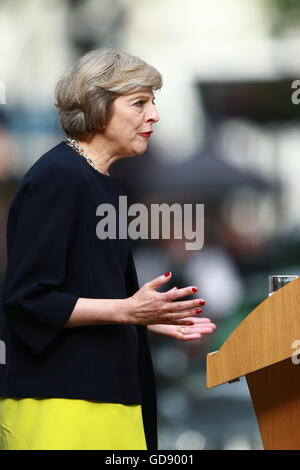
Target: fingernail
(194, 289)
(198, 310)
(202, 302)
(168, 273)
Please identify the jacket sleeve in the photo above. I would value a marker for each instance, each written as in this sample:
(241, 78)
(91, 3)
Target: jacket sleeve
(131, 278)
(39, 232)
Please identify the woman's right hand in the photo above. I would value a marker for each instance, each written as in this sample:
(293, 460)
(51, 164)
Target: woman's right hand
(149, 307)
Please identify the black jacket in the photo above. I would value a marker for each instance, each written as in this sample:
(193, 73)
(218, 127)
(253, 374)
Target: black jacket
(55, 257)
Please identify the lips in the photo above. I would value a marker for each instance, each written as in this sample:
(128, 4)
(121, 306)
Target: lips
(146, 134)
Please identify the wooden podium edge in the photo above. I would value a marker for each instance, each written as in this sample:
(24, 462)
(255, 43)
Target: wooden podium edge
(264, 337)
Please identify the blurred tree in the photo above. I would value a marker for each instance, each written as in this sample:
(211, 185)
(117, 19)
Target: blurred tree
(284, 15)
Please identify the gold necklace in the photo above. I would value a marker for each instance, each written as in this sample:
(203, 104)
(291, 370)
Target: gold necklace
(74, 144)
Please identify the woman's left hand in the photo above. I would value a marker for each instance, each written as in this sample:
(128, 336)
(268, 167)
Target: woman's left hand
(197, 327)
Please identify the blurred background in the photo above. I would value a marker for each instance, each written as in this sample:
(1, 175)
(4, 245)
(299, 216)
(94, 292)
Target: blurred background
(228, 138)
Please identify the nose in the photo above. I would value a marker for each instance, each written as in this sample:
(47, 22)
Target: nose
(152, 114)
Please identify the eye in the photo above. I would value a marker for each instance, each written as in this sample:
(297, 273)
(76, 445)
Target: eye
(139, 103)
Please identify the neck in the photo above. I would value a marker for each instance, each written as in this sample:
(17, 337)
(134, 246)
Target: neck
(98, 151)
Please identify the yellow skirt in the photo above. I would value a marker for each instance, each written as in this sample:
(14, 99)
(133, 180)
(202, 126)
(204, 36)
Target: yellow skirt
(69, 424)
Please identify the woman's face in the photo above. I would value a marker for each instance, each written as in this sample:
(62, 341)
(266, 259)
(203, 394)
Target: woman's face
(130, 125)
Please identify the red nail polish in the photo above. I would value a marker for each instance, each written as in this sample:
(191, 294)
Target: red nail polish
(194, 289)
(202, 302)
(198, 310)
(167, 274)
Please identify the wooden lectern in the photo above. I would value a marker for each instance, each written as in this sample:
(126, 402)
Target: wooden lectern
(264, 349)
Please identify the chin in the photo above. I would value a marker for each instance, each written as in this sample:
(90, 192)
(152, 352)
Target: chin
(141, 150)
(136, 151)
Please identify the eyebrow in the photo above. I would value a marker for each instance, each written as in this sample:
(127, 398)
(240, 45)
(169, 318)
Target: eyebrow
(144, 97)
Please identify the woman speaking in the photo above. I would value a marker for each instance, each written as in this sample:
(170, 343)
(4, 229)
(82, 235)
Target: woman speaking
(78, 372)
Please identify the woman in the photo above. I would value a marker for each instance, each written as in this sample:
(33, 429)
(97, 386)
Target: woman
(78, 372)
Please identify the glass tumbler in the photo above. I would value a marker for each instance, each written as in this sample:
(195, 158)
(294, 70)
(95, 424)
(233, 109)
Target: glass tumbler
(279, 280)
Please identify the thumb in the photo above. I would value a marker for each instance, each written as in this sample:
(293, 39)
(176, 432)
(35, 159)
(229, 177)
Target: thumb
(160, 280)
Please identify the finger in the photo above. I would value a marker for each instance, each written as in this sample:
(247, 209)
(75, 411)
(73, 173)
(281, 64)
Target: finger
(173, 288)
(196, 320)
(183, 305)
(200, 320)
(185, 338)
(185, 321)
(184, 335)
(193, 320)
(194, 331)
(188, 322)
(190, 337)
(206, 329)
(179, 293)
(160, 280)
(204, 325)
(177, 318)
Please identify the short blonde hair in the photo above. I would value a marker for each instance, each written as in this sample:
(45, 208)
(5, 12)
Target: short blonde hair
(85, 95)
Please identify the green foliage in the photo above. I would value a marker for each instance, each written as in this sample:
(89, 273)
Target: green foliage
(285, 14)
